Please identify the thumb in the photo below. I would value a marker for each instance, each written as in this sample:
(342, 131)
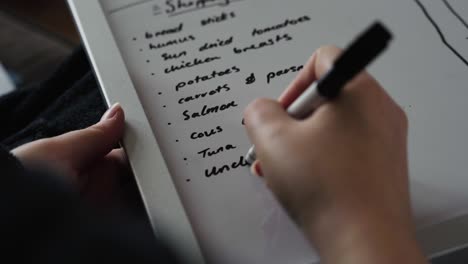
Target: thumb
(83, 147)
(266, 120)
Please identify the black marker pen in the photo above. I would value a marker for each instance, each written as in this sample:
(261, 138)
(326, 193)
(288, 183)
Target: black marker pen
(351, 62)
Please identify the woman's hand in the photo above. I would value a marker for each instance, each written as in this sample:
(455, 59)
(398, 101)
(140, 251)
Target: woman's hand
(341, 173)
(85, 157)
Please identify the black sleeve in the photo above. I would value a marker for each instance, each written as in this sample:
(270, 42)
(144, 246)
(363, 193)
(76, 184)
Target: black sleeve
(42, 220)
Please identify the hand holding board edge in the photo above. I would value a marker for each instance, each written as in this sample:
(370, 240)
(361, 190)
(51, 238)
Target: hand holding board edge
(415, 86)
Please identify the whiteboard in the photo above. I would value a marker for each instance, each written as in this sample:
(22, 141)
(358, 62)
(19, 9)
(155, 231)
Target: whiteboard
(140, 51)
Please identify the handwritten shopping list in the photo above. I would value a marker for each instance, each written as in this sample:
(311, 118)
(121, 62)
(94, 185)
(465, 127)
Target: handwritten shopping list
(196, 64)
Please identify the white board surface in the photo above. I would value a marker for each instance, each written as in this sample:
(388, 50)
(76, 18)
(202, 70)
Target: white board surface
(234, 217)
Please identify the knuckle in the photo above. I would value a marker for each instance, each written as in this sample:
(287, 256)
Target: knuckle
(326, 49)
(256, 109)
(97, 131)
(324, 59)
(277, 131)
(327, 52)
(82, 136)
(402, 117)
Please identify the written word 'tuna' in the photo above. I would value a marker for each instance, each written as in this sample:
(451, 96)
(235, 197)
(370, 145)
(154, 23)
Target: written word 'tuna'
(208, 152)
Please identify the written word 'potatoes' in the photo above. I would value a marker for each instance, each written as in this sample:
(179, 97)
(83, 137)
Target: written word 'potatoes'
(204, 78)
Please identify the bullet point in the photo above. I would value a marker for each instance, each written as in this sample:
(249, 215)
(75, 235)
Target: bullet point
(141, 49)
(185, 158)
(169, 124)
(164, 106)
(188, 180)
(134, 39)
(177, 141)
(159, 93)
(148, 61)
(152, 74)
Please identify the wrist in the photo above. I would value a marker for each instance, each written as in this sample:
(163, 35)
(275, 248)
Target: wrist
(363, 236)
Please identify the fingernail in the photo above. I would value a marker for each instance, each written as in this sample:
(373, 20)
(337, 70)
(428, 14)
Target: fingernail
(111, 112)
(257, 170)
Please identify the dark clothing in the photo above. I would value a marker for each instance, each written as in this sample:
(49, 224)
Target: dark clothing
(67, 101)
(43, 219)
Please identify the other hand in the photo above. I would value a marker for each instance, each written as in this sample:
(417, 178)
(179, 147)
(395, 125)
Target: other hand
(86, 157)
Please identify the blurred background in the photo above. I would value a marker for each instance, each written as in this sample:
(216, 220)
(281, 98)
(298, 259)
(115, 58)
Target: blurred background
(35, 37)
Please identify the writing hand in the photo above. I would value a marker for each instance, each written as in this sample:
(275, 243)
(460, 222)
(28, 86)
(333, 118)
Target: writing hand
(341, 173)
(86, 157)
